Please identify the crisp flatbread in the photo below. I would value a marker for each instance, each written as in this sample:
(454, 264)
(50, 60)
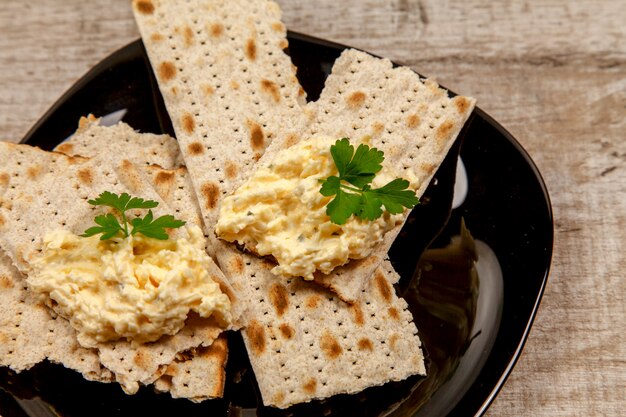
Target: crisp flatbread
(412, 120)
(186, 375)
(227, 85)
(35, 189)
(92, 139)
(304, 343)
(29, 333)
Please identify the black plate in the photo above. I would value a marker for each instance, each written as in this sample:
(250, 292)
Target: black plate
(473, 321)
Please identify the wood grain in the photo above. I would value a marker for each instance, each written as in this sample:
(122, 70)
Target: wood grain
(553, 72)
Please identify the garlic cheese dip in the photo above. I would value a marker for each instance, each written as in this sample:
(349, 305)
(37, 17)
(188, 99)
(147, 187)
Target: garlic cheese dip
(280, 211)
(138, 288)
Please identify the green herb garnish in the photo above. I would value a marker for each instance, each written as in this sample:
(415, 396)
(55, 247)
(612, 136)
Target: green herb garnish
(109, 225)
(357, 197)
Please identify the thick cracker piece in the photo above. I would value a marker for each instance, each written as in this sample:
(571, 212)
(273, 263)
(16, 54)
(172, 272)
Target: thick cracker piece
(35, 187)
(29, 333)
(43, 191)
(91, 139)
(304, 343)
(200, 375)
(412, 120)
(227, 84)
(172, 182)
(186, 377)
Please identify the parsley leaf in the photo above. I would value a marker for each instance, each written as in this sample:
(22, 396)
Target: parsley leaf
(343, 206)
(394, 196)
(359, 169)
(110, 226)
(156, 228)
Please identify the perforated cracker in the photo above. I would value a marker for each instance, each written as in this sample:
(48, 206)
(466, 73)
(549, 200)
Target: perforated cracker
(304, 343)
(29, 333)
(91, 139)
(197, 375)
(412, 120)
(42, 191)
(227, 84)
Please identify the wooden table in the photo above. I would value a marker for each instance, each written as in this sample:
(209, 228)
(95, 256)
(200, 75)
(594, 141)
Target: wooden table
(552, 72)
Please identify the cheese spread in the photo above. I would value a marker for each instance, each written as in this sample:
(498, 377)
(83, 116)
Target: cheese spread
(137, 288)
(280, 212)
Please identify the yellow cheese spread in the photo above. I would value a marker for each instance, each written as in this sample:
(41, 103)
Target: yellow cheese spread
(279, 211)
(137, 288)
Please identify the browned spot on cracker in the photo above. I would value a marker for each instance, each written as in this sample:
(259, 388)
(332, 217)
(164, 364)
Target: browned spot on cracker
(428, 168)
(216, 29)
(312, 301)
(33, 171)
(393, 313)
(230, 170)
(2, 221)
(278, 298)
(189, 125)
(195, 148)
(257, 137)
(208, 90)
(383, 286)
(250, 49)
(271, 88)
(237, 264)
(278, 26)
(286, 330)
(172, 370)
(291, 140)
(310, 386)
(358, 314)
(84, 176)
(301, 92)
(461, 103)
(174, 90)
(141, 359)
(234, 85)
(365, 344)
(256, 336)
(210, 192)
(283, 44)
(356, 99)
(393, 340)
(4, 179)
(444, 131)
(166, 71)
(377, 128)
(6, 281)
(164, 177)
(218, 349)
(224, 288)
(330, 346)
(144, 6)
(156, 37)
(65, 148)
(279, 397)
(412, 121)
(72, 160)
(188, 36)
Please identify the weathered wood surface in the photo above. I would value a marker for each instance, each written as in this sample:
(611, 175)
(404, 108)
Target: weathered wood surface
(552, 72)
